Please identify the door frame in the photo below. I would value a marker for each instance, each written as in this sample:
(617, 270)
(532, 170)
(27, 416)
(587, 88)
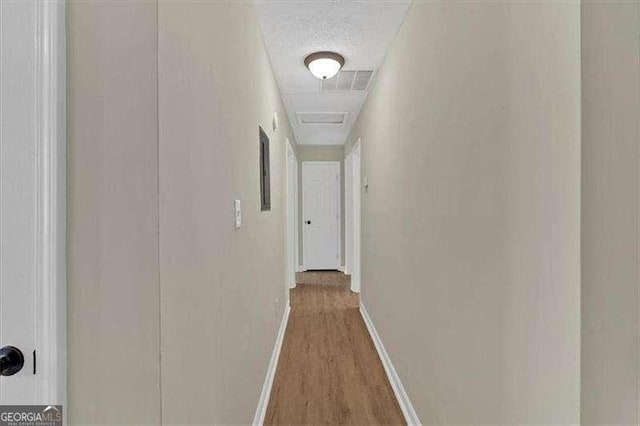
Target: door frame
(353, 220)
(339, 207)
(292, 238)
(348, 216)
(51, 243)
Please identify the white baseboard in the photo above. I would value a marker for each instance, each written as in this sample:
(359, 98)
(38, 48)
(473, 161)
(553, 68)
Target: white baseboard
(401, 395)
(341, 269)
(261, 411)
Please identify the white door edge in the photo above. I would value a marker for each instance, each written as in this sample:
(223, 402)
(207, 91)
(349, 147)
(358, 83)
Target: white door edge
(50, 262)
(42, 40)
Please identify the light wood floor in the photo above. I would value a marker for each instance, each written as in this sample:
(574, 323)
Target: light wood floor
(329, 371)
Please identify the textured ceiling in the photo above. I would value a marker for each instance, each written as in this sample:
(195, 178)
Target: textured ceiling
(361, 31)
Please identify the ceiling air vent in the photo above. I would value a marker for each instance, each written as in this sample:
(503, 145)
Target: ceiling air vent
(361, 81)
(345, 80)
(348, 80)
(321, 117)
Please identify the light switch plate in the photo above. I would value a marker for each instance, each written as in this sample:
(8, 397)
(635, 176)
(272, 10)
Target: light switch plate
(238, 213)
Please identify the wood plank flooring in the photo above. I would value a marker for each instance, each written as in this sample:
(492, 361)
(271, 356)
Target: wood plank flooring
(329, 371)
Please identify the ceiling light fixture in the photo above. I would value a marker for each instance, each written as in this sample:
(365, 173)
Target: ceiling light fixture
(324, 65)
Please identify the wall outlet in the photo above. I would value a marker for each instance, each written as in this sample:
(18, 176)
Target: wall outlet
(238, 213)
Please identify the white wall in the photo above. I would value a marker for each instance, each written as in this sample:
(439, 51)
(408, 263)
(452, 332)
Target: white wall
(610, 212)
(470, 257)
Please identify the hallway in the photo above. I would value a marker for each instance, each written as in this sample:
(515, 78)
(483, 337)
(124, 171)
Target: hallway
(329, 371)
(168, 169)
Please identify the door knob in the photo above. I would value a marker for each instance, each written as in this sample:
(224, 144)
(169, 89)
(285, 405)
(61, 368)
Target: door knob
(11, 360)
(308, 222)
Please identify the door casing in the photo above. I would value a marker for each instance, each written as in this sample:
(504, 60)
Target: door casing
(353, 197)
(292, 215)
(37, 79)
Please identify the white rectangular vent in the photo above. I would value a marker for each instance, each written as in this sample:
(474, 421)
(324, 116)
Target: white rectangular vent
(321, 117)
(361, 81)
(345, 80)
(348, 80)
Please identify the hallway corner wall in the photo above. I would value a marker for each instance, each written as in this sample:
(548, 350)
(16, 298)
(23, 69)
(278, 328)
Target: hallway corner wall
(610, 212)
(470, 238)
(219, 285)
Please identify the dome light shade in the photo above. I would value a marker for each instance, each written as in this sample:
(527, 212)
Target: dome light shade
(324, 64)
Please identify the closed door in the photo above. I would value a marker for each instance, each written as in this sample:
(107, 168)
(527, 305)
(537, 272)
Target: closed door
(321, 214)
(18, 209)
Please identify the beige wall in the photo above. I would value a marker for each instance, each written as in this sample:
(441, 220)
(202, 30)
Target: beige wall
(542, 345)
(320, 153)
(151, 237)
(113, 289)
(471, 144)
(219, 285)
(610, 211)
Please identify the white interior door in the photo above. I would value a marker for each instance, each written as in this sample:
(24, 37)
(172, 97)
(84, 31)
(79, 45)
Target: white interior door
(321, 214)
(18, 167)
(32, 199)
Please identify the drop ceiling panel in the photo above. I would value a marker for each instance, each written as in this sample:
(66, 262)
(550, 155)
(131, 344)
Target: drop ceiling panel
(361, 31)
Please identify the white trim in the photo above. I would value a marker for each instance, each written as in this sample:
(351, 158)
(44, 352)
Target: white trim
(348, 214)
(51, 203)
(339, 213)
(297, 216)
(356, 207)
(291, 233)
(341, 269)
(406, 406)
(261, 411)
